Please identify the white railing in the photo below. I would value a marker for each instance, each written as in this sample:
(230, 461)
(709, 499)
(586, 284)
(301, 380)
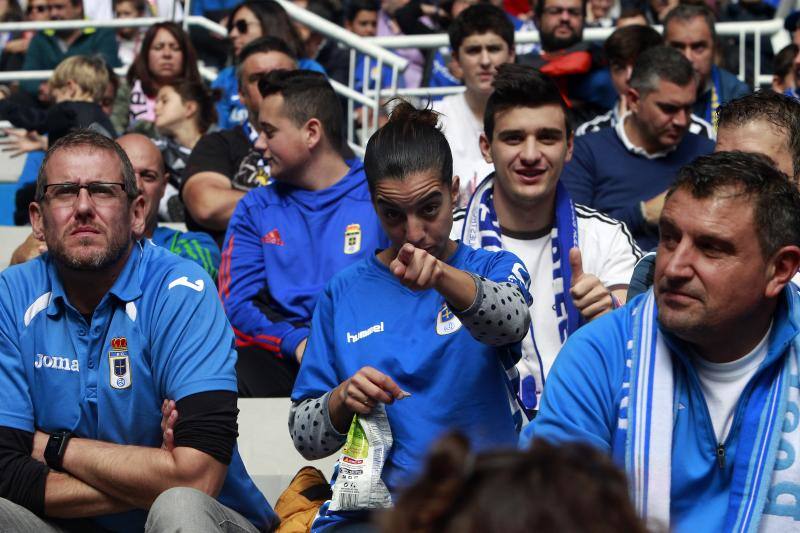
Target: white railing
(80, 24)
(379, 50)
(737, 29)
(378, 55)
(144, 22)
(371, 51)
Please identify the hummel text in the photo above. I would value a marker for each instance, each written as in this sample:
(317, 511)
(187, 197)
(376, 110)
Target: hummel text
(355, 337)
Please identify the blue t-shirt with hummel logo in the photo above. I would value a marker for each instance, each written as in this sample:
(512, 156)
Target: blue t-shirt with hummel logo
(366, 317)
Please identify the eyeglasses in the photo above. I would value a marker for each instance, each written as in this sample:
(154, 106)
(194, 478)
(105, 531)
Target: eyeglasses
(100, 192)
(241, 26)
(558, 10)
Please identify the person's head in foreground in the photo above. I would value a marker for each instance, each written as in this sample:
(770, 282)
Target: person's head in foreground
(730, 242)
(409, 170)
(547, 488)
(87, 207)
(765, 123)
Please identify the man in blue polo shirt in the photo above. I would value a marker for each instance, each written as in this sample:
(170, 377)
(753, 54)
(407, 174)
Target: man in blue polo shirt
(286, 240)
(624, 171)
(94, 335)
(148, 164)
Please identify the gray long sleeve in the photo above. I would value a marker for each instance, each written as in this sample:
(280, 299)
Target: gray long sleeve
(311, 428)
(499, 314)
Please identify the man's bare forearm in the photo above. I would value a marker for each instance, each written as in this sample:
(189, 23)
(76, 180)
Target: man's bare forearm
(218, 207)
(68, 497)
(211, 200)
(137, 475)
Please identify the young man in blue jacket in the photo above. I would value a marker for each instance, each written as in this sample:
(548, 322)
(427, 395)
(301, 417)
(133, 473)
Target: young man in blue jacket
(286, 240)
(692, 387)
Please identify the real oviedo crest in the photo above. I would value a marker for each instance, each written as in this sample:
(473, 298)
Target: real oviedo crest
(446, 321)
(119, 364)
(352, 239)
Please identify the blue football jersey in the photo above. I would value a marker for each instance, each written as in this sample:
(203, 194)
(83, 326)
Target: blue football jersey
(366, 317)
(159, 333)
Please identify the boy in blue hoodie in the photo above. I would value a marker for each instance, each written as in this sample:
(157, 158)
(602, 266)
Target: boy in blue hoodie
(286, 240)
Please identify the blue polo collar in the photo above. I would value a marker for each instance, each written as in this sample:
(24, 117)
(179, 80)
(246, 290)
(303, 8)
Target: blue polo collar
(126, 288)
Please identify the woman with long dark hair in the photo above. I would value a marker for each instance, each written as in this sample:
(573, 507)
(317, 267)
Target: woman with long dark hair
(166, 55)
(418, 339)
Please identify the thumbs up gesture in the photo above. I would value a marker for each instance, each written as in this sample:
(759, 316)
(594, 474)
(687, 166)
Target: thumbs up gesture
(415, 268)
(588, 293)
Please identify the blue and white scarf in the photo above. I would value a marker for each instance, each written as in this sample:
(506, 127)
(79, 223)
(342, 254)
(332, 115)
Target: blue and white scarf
(766, 472)
(482, 230)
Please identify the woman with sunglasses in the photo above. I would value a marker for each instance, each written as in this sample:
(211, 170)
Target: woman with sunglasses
(166, 55)
(247, 22)
(428, 329)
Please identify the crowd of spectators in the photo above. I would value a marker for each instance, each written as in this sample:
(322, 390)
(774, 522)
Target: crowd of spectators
(434, 286)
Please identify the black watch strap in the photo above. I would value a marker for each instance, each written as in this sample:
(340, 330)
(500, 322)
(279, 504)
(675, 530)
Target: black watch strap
(56, 446)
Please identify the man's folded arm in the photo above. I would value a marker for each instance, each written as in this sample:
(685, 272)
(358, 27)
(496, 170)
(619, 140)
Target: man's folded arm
(205, 435)
(31, 484)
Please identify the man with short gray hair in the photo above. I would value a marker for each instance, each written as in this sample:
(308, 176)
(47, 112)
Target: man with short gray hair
(624, 171)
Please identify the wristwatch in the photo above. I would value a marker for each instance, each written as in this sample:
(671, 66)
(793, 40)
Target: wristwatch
(56, 446)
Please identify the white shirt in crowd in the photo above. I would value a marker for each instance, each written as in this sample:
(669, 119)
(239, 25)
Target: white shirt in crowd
(723, 384)
(608, 251)
(463, 132)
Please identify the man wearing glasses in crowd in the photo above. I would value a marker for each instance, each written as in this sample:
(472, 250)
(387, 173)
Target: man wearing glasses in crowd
(95, 336)
(575, 65)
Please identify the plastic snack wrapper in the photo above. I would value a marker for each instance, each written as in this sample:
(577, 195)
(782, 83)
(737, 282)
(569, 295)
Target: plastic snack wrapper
(358, 483)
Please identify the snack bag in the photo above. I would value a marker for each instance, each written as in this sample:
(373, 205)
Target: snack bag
(358, 483)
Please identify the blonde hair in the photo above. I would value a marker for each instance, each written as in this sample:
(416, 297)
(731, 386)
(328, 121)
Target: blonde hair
(88, 72)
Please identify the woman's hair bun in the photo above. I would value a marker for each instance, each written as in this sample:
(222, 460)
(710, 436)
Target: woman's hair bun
(406, 113)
